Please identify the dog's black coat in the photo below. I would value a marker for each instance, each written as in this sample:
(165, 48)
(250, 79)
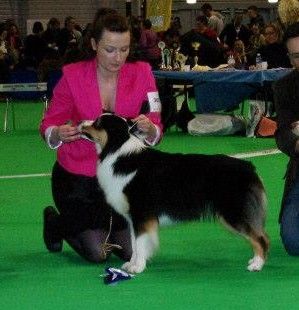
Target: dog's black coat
(183, 186)
(187, 186)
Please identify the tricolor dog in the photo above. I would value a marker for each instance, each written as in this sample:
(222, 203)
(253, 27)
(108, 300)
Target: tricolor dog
(144, 185)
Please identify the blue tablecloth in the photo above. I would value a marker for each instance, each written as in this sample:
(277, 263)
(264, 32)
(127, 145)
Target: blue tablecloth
(218, 90)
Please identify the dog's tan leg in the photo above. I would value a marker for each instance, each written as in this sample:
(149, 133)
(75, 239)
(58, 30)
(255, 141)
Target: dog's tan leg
(258, 240)
(146, 242)
(260, 245)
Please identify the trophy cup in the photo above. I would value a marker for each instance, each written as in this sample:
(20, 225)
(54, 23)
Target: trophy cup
(195, 63)
(174, 57)
(195, 46)
(167, 55)
(181, 60)
(161, 46)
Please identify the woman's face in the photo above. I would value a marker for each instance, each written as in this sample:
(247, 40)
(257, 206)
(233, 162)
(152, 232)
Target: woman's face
(255, 29)
(13, 29)
(293, 49)
(271, 35)
(112, 50)
(3, 35)
(239, 46)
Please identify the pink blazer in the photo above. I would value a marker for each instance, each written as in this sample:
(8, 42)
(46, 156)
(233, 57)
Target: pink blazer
(76, 97)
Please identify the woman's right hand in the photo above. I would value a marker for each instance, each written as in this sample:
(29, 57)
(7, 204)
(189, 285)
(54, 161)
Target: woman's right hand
(65, 133)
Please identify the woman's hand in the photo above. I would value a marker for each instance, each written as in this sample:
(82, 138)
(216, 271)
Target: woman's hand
(65, 133)
(145, 125)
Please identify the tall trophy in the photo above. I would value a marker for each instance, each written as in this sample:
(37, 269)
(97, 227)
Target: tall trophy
(195, 46)
(161, 46)
(174, 52)
(167, 55)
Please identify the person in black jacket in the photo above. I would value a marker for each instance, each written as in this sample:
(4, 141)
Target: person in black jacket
(286, 99)
(274, 51)
(35, 46)
(254, 16)
(209, 51)
(69, 38)
(235, 31)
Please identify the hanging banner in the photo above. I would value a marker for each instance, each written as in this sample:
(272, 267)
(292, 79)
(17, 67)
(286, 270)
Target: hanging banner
(159, 13)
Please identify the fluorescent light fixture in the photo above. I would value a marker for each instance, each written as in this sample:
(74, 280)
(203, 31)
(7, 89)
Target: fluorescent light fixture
(272, 1)
(191, 1)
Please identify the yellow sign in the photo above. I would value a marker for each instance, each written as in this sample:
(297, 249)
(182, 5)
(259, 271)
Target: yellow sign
(159, 13)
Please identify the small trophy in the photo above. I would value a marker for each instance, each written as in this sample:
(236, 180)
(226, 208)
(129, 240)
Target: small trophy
(181, 60)
(167, 55)
(174, 58)
(161, 46)
(196, 46)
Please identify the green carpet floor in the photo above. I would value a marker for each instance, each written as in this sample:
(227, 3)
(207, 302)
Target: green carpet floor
(198, 266)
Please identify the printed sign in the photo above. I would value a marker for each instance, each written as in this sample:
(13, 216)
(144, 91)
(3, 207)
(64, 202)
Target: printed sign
(154, 101)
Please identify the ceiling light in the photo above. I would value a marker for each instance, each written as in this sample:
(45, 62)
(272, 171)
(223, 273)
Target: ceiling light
(191, 1)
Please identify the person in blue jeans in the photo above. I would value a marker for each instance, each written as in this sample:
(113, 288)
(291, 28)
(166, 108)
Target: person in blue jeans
(286, 100)
(289, 222)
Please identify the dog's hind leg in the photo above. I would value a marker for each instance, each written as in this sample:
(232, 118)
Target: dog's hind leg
(260, 245)
(254, 228)
(146, 243)
(249, 222)
(258, 240)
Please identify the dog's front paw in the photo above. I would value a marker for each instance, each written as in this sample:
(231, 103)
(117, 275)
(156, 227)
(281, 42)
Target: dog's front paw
(132, 267)
(256, 264)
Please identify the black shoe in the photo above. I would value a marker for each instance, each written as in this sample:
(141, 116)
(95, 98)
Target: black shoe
(51, 237)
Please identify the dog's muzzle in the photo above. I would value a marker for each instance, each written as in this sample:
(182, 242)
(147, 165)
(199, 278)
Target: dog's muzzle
(85, 123)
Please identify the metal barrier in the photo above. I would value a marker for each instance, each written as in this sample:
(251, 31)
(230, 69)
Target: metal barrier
(20, 87)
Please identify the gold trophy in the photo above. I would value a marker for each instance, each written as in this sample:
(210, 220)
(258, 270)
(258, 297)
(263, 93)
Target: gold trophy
(195, 46)
(181, 60)
(174, 63)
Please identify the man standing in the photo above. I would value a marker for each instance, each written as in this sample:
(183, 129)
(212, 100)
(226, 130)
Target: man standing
(286, 99)
(215, 18)
(255, 17)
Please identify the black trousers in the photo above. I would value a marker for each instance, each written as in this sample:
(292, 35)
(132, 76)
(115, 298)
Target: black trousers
(84, 216)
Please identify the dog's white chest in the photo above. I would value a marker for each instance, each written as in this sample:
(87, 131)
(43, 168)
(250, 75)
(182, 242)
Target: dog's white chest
(113, 185)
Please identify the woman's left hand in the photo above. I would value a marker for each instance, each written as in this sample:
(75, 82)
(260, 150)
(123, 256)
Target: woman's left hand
(145, 125)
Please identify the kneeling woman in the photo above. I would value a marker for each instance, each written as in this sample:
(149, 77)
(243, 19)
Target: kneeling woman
(107, 81)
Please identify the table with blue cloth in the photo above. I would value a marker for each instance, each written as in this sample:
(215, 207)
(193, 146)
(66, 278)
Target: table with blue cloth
(225, 89)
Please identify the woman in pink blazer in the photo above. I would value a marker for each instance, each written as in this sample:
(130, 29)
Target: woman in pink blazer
(105, 82)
